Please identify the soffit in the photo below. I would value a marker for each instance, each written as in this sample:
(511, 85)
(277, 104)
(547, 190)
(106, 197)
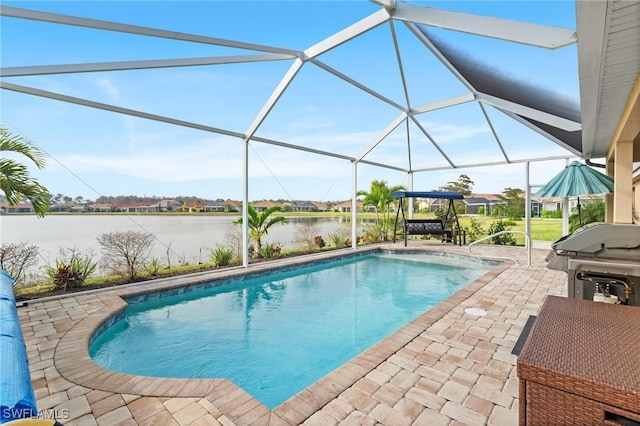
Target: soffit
(609, 64)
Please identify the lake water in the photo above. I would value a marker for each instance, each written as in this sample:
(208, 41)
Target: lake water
(178, 238)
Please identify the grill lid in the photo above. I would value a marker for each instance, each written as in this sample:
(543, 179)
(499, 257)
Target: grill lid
(600, 238)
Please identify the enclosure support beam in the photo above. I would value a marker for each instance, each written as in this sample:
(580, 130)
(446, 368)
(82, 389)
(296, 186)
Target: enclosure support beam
(245, 203)
(354, 205)
(527, 204)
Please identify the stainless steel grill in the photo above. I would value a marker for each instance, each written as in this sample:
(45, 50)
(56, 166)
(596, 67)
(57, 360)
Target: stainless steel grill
(602, 262)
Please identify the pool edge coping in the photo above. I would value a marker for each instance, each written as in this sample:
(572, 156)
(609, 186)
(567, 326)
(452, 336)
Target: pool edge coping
(73, 362)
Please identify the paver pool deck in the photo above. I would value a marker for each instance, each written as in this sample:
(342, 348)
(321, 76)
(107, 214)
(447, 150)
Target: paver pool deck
(447, 367)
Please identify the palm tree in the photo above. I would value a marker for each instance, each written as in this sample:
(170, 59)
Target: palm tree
(259, 223)
(380, 197)
(15, 181)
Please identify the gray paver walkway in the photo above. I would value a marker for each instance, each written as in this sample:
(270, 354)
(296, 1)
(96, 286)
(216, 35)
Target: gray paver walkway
(445, 368)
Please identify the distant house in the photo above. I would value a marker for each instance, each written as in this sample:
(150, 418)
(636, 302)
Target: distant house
(345, 207)
(131, 207)
(167, 205)
(481, 203)
(308, 206)
(261, 206)
(17, 208)
(63, 207)
(432, 204)
(223, 206)
(556, 203)
(101, 208)
(217, 207)
(233, 205)
(195, 207)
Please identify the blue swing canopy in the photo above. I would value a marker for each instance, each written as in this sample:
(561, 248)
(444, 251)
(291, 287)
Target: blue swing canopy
(433, 194)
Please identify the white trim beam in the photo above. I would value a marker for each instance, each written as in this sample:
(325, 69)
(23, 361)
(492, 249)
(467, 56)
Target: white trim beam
(56, 18)
(538, 35)
(384, 166)
(433, 142)
(493, 131)
(138, 65)
(390, 128)
(301, 148)
(357, 84)
(403, 79)
(445, 103)
(113, 108)
(534, 114)
(492, 163)
(275, 96)
(347, 34)
(182, 123)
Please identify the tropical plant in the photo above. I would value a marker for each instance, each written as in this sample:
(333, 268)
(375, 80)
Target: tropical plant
(15, 181)
(221, 256)
(269, 250)
(260, 222)
(126, 252)
(342, 238)
(153, 267)
(380, 198)
(592, 211)
(71, 269)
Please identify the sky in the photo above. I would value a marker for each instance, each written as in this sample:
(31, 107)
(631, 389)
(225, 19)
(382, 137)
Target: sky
(94, 152)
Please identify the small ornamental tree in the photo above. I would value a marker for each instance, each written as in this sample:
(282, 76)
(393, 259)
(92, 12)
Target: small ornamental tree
(127, 252)
(17, 258)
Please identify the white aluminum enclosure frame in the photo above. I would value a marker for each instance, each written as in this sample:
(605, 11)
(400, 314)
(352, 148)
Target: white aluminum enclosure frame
(391, 14)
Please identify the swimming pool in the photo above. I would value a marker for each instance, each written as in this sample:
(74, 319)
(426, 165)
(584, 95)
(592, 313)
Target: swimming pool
(275, 335)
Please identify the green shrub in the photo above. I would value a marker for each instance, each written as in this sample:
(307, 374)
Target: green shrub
(503, 239)
(221, 256)
(552, 214)
(475, 231)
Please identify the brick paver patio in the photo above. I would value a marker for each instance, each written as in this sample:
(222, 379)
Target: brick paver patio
(447, 367)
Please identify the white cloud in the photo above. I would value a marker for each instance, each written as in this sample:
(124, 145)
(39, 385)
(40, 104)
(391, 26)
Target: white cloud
(109, 87)
(443, 133)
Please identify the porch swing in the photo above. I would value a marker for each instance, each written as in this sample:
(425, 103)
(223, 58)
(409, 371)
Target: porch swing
(429, 226)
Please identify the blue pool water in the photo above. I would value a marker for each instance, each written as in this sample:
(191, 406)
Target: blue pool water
(277, 334)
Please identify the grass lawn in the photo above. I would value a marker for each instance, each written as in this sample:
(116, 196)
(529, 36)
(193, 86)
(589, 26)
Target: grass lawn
(541, 229)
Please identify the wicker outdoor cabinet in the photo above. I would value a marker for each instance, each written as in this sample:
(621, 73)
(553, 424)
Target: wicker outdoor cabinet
(580, 365)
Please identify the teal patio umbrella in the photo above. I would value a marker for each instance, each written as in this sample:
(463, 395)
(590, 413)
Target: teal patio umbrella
(575, 180)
